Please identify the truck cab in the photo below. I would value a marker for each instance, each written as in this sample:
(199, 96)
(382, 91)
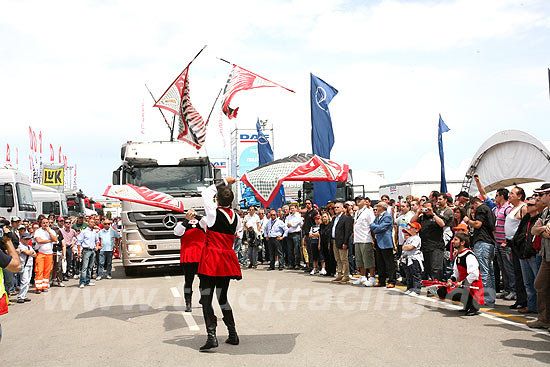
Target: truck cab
(48, 200)
(344, 190)
(16, 195)
(174, 168)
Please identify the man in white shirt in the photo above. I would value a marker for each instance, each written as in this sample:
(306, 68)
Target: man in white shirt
(294, 223)
(363, 241)
(45, 238)
(251, 219)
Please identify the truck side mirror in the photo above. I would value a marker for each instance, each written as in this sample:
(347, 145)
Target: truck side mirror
(56, 208)
(299, 195)
(9, 201)
(116, 177)
(217, 174)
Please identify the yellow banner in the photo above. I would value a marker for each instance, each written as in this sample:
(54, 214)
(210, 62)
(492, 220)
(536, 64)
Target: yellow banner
(53, 177)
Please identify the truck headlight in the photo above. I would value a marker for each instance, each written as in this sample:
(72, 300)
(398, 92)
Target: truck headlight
(135, 248)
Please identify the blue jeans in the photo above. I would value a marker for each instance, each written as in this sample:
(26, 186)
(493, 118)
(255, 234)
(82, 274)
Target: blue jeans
(105, 259)
(9, 281)
(506, 267)
(238, 248)
(294, 242)
(485, 252)
(88, 259)
(529, 270)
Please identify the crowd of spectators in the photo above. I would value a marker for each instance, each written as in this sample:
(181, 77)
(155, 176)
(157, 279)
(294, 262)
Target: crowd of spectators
(500, 243)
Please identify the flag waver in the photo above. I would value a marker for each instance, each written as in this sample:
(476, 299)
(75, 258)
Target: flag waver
(241, 79)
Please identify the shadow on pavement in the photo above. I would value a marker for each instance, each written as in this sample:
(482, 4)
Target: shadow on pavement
(540, 347)
(267, 344)
(445, 311)
(125, 312)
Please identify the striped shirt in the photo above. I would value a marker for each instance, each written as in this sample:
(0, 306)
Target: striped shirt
(500, 213)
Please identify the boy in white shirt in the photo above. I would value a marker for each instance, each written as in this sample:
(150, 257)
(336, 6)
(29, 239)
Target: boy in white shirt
(412, 259)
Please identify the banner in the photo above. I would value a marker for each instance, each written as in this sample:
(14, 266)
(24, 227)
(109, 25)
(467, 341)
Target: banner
(52, 176)
(322, 136)
(52, 154)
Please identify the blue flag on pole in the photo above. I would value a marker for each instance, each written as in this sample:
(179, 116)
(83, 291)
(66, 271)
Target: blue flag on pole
(443, 128)
(322, 136)
(265, 155)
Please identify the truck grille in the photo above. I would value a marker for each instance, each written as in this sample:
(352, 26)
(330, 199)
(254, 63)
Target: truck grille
(151, 227)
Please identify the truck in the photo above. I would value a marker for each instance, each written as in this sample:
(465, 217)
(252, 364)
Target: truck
(48, 200)
(16, 195)
(344, 190)
(174, 168)
(76, 203)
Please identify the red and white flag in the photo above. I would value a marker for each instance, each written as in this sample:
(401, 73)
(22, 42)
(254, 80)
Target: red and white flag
(30, 162)
(242, 79)
(59, 154)
(65, 162)
(35, 146)
(191, 126)
(31, 138)
(52, 154)
(144, 195)
(8, 153)
(40, 137)
(75, 170)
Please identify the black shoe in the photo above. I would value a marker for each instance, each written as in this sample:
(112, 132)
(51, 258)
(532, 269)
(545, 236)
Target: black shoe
(517, 306)
(471, 312)
(270, 269)
(280, 268)
(20, 300)
(211, 340)
(463, 310)
(187, 297)
(229, 321)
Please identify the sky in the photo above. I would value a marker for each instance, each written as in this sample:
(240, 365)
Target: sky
(76, 70)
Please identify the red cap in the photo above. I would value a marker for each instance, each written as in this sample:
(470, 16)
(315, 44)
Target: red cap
(60, 218)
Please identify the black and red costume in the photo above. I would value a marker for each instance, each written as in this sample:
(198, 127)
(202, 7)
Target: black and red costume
(218, 263)
(192, 240)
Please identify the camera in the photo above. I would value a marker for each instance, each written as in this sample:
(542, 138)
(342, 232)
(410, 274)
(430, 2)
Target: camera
(3, 223)
(425, 210)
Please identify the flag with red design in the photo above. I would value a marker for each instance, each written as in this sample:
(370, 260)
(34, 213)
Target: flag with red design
(52, 154)
(144, 195)
(8, 153)
(191, 126)
(266, 179)
(241, 79)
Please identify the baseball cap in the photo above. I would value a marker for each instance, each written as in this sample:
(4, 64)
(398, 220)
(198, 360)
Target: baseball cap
(360, 197)
(543, 189)
(462, 226)
(60, 218)
(463, 194)
(15, 218)
(26, 236)
(412, 225)
(21, 227)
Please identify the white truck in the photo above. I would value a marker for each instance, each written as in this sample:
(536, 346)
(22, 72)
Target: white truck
(48, 200)
(174, 168)
(16, 195)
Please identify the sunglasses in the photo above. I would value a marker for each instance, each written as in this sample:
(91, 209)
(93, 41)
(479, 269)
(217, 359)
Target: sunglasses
(529, 204)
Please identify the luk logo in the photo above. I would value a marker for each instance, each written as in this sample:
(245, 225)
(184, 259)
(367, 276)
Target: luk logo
(253, 138)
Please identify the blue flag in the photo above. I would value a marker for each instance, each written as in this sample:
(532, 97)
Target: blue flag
(443, 128)
(265, 155)
(322, 136)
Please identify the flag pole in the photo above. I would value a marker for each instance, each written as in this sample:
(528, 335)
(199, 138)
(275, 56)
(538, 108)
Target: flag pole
(279, 85)
(162, 113)
(213, 105)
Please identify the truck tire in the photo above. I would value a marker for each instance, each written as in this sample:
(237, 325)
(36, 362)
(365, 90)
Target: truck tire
(131, 271)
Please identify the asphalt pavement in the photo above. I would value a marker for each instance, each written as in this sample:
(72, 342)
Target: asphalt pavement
(284, 318)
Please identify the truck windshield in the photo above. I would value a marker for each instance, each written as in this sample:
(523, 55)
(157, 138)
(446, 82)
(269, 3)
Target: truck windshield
(64, 208)
(24, 197)
(170, 178)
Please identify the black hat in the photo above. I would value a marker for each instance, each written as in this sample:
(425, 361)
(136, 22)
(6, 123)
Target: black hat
(360, 197)
(543, 189)
(463, 194)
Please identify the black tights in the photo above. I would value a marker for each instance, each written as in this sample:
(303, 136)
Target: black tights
(207, 286)
(189, 271)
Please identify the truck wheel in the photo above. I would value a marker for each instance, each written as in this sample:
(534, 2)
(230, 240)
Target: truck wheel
(131, 271)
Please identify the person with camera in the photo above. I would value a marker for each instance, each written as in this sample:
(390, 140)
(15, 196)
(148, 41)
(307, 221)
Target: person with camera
(9, 260)
(10, 230)
(45, 238)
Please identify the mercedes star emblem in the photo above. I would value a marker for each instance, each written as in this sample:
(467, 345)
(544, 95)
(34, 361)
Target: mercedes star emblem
(169, 221)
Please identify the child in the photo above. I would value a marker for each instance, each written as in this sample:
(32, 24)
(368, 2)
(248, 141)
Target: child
(26, 255)
(465, 273)
(251, 240)
(314, 235)
(412, 259)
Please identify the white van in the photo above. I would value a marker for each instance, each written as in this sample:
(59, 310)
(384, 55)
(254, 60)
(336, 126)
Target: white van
(48, 200)
(15, 195)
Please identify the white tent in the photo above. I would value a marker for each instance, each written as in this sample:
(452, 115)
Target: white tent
(510, 157)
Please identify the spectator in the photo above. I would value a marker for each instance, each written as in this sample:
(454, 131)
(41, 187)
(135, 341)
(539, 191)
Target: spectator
(26, 256)
(309, 213)
(89, 243)
(431, 234)
(463, 200)
(315, 245)
(274, 231)
(412, 258)
(293, 222)
(326, 248)
(342, 227)
(483, 223)
(45, 239)
(458, 215)
(542, 282)
(446, 214)
(502, 209)
(382, 229)
(80, 224)
(109, 240)
(251, 240)
(402, 222)
(69, 235)
(8, 261)
(262, 246)
(59, 250)
(364, 243)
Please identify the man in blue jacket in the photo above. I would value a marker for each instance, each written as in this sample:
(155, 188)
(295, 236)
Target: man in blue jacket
(382, 229)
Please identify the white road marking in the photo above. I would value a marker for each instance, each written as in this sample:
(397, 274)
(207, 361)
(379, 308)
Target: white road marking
(175, 292)
(190, 321)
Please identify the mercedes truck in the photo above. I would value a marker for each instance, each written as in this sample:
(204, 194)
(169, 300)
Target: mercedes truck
(174, 168)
